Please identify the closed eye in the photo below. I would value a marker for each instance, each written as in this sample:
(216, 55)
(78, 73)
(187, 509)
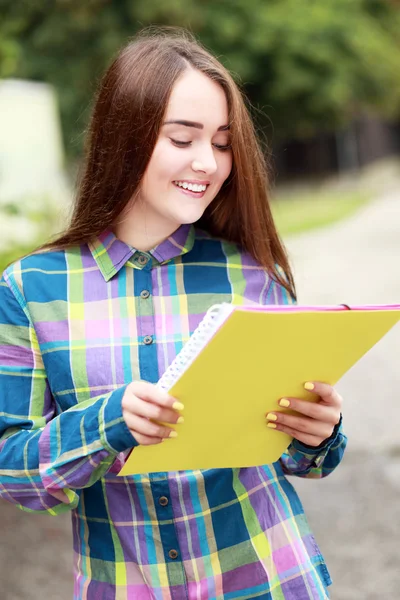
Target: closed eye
(222, 148)
(181, 144)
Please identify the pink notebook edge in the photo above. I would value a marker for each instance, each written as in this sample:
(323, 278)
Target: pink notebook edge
(316, 308)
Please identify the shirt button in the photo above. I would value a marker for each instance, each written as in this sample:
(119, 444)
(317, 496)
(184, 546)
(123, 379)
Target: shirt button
(143, 260)
(148, 340)
(163, 501)
(173, 554)
(144, 294)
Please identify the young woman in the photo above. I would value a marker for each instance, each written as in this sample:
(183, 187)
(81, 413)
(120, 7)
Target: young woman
(90, 322)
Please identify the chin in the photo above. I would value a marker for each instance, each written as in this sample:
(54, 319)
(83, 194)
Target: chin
(188, 219)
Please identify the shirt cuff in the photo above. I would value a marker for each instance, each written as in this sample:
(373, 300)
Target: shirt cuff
(323, 447)
(114, 432)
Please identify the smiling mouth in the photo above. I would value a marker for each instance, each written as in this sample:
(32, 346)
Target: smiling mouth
(194, 188)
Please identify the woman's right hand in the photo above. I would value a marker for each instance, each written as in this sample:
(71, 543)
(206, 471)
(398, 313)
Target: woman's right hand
(143, 401)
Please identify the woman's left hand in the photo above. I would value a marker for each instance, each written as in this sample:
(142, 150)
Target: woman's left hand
(313, 422)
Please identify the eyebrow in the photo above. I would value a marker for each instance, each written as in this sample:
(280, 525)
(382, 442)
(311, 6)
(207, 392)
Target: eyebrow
(194, 124)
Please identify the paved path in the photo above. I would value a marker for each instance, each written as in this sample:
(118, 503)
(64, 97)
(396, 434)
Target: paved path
(355, 513)
(358, 262)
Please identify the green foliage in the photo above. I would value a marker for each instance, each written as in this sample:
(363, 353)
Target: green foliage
(308, 64)
(26, 224)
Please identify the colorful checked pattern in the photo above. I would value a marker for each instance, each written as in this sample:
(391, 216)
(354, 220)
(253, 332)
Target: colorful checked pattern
(76, 327)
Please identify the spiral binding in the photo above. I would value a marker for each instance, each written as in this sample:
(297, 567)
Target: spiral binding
(212, 320)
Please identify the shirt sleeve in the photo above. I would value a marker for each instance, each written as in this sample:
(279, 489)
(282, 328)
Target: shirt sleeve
(315, 463)
(45, 457)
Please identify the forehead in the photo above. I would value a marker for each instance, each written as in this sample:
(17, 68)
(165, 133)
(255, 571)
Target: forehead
(195, 97)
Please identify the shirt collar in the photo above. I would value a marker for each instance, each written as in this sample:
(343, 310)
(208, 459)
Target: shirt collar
(111, 253)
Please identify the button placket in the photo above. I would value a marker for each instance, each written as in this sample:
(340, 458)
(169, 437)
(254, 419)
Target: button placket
(145, 306)
(165, 516)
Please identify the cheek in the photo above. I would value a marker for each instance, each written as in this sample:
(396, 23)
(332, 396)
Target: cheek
(225, 163)
(166, 162)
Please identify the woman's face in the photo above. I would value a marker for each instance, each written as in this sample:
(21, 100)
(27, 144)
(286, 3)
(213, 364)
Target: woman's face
(192, 157)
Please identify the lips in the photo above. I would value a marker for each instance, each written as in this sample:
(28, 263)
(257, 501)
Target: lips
(191, 193)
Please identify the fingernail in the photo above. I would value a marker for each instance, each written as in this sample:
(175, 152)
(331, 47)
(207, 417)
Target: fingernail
(271, 425)
(309, 386)
(271, 417)
(283, 402)
(180, 420)
(173, 434)
(178, 406)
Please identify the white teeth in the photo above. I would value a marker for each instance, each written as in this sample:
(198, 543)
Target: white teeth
(193, 187)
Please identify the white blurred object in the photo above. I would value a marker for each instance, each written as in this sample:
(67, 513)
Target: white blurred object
(32, 179)
(31, 150)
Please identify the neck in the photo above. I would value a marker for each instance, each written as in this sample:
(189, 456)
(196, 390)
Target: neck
(142, 229)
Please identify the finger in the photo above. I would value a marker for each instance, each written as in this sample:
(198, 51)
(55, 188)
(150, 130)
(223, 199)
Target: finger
(304, 438)
(151, 393)
(145, 440)
(146, 427)
(326, 392)
(301, 424)
(314, 410)
(156, 412)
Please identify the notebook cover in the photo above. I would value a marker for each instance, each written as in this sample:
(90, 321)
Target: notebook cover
(256, 357)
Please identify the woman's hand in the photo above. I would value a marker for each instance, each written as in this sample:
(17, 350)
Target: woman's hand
(313, 422)
(142, 402)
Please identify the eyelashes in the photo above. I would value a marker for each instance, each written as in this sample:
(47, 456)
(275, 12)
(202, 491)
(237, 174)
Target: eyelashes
(222, 148)
(180, 144)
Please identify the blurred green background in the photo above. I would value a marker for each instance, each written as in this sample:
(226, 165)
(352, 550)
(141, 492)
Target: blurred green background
(322, 78)
(311, 66)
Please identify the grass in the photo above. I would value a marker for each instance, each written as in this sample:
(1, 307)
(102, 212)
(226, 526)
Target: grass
(292, 215)
(304, 213)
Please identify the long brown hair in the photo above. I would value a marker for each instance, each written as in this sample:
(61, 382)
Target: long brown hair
(128, 113)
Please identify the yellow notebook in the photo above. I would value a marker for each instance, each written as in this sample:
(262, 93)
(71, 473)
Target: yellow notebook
(236, 366)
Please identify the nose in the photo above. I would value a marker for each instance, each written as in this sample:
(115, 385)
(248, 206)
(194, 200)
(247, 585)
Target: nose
(205, 162)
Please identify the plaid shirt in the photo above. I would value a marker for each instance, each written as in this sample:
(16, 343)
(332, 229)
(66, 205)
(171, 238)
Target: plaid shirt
(76, 327)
